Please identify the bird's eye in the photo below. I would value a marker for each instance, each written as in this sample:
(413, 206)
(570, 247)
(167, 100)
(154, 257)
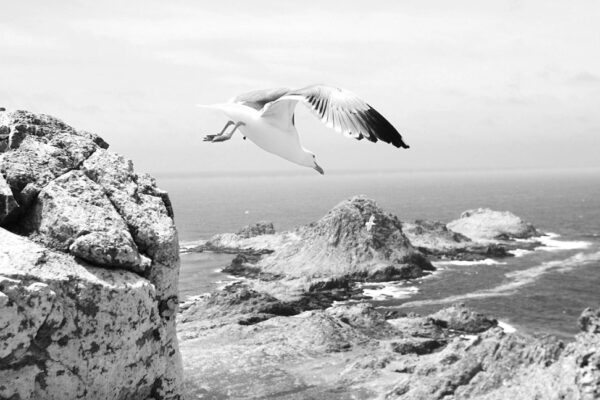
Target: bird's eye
(314, 156)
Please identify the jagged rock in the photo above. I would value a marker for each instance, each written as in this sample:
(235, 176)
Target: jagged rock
(259, 228)
(460, 318)
(340, 244)
(435, 239)
(236, 303)
(40, 148)
(352, 351)
(142, 208)
(69, 329)
(433, 235)
(589, 321)
(73, 214)
(486, 224)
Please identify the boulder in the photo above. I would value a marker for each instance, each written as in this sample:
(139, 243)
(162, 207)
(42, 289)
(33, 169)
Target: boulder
(88, 289)
(259, 228)
(485, 224)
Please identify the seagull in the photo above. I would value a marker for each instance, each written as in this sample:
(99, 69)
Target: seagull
(369, 224)
(266, 117)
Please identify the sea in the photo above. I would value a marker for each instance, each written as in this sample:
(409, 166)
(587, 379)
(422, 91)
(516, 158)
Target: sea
(537, 292)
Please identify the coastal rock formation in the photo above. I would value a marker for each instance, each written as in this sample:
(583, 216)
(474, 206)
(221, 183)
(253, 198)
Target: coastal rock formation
(341, 243)
(352, 351)
(259, 228)
(435, 239)
(486, 224)
(88, 287)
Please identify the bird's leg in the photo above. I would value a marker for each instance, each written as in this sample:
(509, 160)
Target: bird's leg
(210, 138)
(226, 136)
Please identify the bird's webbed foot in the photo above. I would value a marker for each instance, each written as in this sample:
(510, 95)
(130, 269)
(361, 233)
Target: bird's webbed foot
(221, 137)
(209, 138)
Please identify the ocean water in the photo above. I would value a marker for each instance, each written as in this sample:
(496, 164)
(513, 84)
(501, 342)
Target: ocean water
(544, 290)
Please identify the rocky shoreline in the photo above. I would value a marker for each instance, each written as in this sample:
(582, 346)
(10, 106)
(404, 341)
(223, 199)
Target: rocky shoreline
(89, 308)
(340, 251)
(300, 327)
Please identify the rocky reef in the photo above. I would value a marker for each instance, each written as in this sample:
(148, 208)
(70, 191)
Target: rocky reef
(276, 335)
(89, 265)
(351, 351)
(357, 241)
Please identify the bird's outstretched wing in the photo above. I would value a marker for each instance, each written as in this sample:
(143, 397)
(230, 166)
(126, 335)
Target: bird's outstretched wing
(345, 112)
(258, 98)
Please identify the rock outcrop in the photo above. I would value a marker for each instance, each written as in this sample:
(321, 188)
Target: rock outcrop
(259, 228)
(486, 224)
(435, 239)
(341, 243)
(352, 351)
(88, 269)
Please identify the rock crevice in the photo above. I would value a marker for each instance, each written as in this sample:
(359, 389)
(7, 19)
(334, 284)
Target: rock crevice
(88, 290)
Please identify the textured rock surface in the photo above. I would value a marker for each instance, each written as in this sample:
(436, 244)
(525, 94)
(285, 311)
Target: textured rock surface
(352, 352)
(88, 292)
(486, 224)
(340, 244)
(259, 228)
(436, 240)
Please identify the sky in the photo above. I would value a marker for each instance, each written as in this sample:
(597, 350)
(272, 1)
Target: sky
(469, 84)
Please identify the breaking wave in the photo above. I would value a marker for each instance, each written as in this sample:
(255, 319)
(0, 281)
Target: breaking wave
(517, 279)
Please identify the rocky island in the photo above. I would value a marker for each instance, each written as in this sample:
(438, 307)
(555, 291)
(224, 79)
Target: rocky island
(279, 334)
(89, 305)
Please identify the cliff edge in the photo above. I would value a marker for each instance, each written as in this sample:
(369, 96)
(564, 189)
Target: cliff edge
(89, 265)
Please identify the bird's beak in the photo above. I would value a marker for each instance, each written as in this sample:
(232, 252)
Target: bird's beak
(318, 169)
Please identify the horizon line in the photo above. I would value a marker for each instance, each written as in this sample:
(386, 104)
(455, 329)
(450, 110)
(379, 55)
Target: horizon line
(302, 172)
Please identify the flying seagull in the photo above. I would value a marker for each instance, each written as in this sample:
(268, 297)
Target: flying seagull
(266, 117)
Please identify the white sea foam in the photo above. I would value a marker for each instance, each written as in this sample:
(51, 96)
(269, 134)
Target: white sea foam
(463, 263)
(550, 243)
(520, 252)
(517, 279)
(223, 284)
(389, 290)
(190, 244)
(508, 328)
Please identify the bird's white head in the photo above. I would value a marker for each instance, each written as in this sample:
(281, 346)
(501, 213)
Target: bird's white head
(310, 160)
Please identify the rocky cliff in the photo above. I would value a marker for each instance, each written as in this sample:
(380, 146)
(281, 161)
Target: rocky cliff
(88, 269)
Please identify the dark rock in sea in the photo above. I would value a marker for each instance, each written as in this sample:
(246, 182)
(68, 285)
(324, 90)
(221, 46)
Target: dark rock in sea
(434, 239)
(589, 321)
(460, 318)
(88, 287)
(257, 229)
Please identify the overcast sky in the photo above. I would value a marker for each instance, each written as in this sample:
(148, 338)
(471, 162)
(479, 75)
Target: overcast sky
(504, 84)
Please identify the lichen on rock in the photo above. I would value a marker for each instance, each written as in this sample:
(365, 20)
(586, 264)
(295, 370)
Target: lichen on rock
(88, 291)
